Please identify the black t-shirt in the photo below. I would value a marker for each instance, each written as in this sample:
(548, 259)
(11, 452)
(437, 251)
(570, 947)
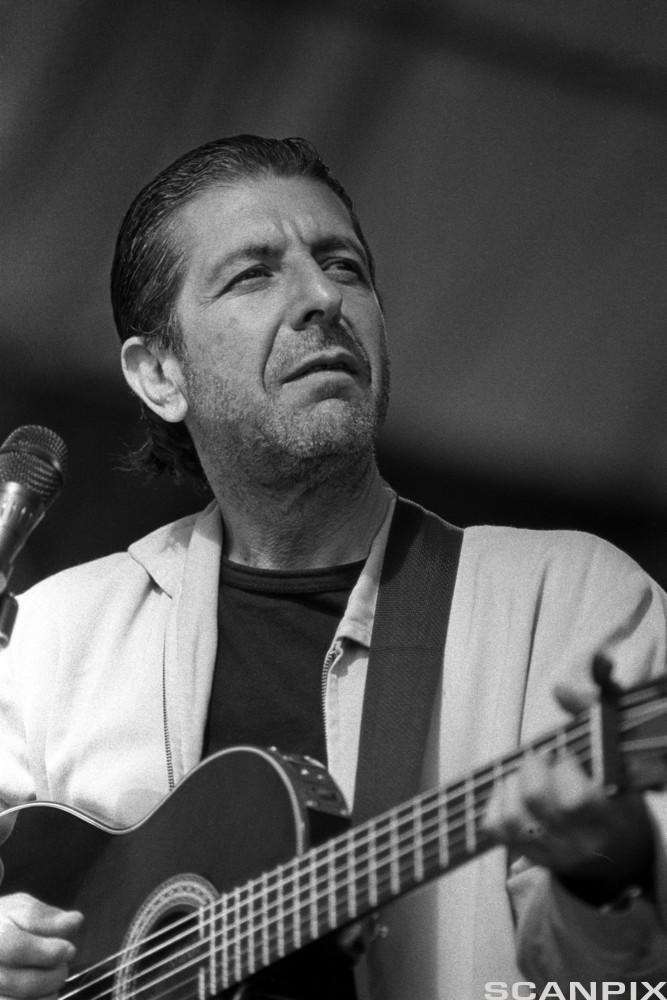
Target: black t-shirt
(274, 630)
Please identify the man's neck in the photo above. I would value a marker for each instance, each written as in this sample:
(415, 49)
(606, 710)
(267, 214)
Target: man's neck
(304, 528)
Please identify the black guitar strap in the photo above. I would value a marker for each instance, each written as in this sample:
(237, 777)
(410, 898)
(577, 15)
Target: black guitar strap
(405, 661)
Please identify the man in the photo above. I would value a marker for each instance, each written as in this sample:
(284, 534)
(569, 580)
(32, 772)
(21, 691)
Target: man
(244, 294)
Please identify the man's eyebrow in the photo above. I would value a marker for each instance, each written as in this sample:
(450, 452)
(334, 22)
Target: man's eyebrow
(244, 254)
(330, 244)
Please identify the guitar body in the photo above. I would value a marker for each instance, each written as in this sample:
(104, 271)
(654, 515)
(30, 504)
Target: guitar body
(240, 813)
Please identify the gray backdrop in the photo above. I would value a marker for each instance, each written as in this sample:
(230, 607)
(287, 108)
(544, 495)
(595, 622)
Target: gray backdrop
(508, 161)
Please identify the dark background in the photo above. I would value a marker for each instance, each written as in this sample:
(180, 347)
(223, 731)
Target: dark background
(508, 160)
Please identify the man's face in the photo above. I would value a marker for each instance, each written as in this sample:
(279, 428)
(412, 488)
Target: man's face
(284, 353)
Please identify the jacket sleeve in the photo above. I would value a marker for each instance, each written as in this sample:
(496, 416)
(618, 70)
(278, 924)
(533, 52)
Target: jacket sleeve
(603, 602)
(561, 939)
(16, 781)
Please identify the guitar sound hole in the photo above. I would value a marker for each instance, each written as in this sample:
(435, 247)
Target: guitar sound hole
(168, 964)
(164, 957)
(165, 963)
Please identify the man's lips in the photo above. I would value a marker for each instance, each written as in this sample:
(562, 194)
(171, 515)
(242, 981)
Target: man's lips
(339, 361)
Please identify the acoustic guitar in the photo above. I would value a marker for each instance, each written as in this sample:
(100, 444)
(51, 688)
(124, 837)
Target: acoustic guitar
(253, 857)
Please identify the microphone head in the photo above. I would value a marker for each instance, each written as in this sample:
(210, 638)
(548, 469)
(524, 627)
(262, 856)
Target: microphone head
(36, 458)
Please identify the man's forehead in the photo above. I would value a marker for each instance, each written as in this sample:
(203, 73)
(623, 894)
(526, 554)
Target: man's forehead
(252, 209)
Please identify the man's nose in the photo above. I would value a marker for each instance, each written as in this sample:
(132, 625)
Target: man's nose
(316, 298)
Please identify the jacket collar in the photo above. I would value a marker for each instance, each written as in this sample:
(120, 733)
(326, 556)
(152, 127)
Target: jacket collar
(357, 622)
(163, 553)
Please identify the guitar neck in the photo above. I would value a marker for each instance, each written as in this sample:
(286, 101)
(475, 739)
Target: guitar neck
(369, 865)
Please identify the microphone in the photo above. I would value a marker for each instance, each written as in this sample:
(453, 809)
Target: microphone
(33, 462)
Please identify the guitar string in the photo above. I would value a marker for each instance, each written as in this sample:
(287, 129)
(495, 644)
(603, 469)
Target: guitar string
(237, 944)
(395, 818)
(648, 707)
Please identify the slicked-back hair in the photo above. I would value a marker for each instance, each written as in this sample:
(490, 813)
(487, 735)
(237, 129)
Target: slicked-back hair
(148, 264)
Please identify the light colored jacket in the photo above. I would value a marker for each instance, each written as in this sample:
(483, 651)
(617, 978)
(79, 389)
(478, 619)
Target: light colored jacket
(104, 695)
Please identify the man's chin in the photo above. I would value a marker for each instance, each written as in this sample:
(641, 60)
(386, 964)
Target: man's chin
(331, 427)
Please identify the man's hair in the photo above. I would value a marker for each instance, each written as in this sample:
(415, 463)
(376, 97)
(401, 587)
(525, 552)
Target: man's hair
(148, 264)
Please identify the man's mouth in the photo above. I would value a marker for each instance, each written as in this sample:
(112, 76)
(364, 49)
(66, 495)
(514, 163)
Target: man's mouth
(348, 365)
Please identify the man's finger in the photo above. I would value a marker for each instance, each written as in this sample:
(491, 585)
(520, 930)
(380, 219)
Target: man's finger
(37, 917)
(32, 984)
(572, 699)
(34, 934)
(565, 796)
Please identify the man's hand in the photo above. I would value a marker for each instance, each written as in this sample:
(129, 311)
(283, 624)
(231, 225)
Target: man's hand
(35, 946)
(554, 814)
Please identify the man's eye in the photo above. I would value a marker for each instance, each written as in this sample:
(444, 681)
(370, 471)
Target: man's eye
(345, 265)
(249, 275)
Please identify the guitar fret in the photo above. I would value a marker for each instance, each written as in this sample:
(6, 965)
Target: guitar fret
(350, 877)
(207, 936)
(443, 832)
(236, 910)
(499, 773)
(561, 747)
(596, 738)
(205, 916)
(469, 797)
(272, 919)
(418, 848)
(224, 945)
(280, 908)
(331, 884)
(372, 866)
(251, 928)
(296, 928)
(312, 898)
(265, 919)
(395, 873)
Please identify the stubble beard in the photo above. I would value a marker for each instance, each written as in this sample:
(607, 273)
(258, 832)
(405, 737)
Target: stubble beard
(272, 449)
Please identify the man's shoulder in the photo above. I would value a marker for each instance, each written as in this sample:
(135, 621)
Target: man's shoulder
(522, 542)
(157, 556)
(566, 558)
(518, 556)
(533, 545)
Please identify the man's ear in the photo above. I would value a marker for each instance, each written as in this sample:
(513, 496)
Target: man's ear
(156, 377)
